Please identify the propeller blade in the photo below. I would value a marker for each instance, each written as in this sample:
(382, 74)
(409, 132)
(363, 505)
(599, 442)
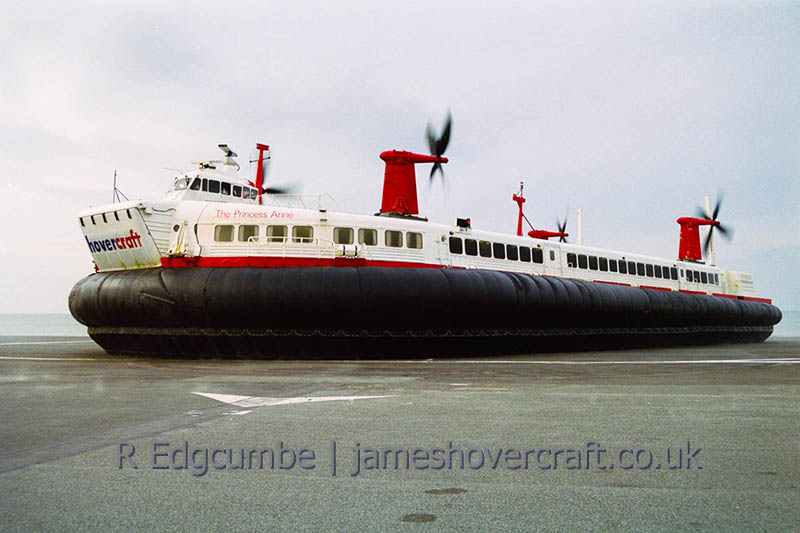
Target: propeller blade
(725, 231)
(287, 189)
(431, 136)
(707, 242)
(716, 207)
(700, 212)
(444, 140)
(433, 171)
(438, 146)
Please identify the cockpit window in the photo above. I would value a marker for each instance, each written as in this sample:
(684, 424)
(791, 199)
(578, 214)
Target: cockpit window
(226, 188)
(246, 192)
(237, 191)
(213, 186)
(195, 186)
(181, 183)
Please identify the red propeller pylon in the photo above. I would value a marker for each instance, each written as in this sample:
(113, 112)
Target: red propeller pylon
(689, 247)
(261, 175)
(537, 233)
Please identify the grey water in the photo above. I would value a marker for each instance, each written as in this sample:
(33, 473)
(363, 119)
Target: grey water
(41, 325)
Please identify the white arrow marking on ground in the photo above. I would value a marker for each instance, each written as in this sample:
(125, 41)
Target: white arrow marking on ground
(258, 401)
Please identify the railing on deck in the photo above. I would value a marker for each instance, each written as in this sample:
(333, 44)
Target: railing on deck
(315, 247)
(300, 201)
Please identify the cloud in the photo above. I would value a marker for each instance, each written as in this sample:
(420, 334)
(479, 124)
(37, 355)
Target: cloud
(632, 112)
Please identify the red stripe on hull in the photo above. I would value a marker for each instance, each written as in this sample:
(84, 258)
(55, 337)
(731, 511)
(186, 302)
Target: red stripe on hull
(652, 288)
(611, 283)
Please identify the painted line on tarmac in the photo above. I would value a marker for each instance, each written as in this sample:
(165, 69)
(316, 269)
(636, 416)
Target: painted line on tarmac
(258, 401)
(44, 342)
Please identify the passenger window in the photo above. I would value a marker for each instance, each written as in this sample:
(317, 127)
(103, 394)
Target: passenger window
(302, 233)
(456, 245)
(116, 215)
(247, 231)
(471, 247)
(105, 220)
(237, 191)
(631, 268)
(485, 249)
(552, 255)
(538, 255)
(612, 265)
(394, 239)
(499, 250)
(623, 267)
(592, 262)
(657, 270)
(343, 235)
(226, 188)
(603, 264)
(368, 237)
(649, 270)
(205, 184)
(640, 269)
(129, 213)
(689, 275)
(195, 186)
(572, 260)
(716, 279)
(674, 272)
(512, 252)
(413, 240)
(82, 224)
(583, 262)
(213, 186)
(525, 254)
(277, 233)
(703, 277)
(223, 233)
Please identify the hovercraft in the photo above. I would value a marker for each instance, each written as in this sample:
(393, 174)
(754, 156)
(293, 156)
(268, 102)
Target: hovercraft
(225, 267)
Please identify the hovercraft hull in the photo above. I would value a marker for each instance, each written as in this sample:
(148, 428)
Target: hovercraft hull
(333, 312)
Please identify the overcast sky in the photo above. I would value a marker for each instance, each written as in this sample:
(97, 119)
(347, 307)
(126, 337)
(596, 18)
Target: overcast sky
(631, 111)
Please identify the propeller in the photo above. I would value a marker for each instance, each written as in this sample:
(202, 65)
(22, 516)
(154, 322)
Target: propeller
(562, 228)
(286, 189)
(438, 146)
(725, 231)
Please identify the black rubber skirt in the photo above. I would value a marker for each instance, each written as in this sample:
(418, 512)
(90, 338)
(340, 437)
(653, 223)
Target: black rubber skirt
(337, 312)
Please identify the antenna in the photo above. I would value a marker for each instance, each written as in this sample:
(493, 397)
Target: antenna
(118, 194)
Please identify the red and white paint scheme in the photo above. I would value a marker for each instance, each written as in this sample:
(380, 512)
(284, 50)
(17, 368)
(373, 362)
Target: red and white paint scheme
(212, 216)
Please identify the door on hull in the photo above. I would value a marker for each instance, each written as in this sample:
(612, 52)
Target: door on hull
(443, 251)
(552, 264)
